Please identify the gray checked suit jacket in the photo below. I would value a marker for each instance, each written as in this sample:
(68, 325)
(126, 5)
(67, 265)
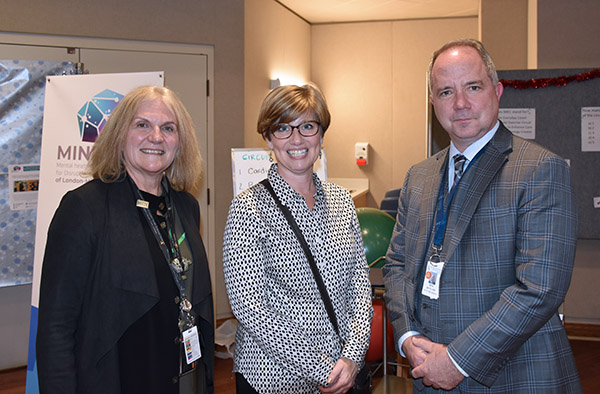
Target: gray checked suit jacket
(509, 249)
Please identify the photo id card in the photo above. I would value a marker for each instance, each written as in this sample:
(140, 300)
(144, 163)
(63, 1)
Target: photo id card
(431, 282)
(191, 345)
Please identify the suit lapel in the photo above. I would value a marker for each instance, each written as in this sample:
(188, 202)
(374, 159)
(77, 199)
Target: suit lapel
(473, 185)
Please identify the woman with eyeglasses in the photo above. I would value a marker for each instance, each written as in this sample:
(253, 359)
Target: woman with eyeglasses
(286, 341)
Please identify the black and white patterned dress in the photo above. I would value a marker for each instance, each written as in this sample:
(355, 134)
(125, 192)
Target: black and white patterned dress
(285, 342)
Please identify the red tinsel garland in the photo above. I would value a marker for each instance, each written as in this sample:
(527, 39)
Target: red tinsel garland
(545, 82)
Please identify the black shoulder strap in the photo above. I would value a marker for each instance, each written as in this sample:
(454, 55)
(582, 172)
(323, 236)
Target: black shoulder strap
(311, 261)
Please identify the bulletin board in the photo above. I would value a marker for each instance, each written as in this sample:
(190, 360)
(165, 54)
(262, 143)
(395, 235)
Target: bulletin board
(22, 84)
(562, 101)
(561, 128)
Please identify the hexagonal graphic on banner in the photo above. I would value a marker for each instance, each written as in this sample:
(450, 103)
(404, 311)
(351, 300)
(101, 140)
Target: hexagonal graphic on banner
(94, 114)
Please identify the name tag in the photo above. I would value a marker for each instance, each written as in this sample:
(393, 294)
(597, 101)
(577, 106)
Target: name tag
(431, 282)
(191, 345)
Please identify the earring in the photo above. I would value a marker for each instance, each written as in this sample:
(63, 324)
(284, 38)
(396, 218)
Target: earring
(321, 153)
(271, 156)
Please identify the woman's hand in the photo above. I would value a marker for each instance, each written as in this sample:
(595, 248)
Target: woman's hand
(341, 378)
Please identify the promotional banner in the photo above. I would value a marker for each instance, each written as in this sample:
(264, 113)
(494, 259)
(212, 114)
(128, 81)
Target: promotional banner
(75, 110)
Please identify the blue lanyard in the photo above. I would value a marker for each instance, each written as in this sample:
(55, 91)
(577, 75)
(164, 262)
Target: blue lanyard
(441, 220)
(441, 217)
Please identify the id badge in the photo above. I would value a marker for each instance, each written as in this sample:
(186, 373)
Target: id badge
(191, 345)
(431, 282)
(190, 351)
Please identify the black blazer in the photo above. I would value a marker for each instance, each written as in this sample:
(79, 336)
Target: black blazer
(97, 280)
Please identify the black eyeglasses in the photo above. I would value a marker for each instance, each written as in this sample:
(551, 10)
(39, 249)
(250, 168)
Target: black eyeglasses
(283, 130)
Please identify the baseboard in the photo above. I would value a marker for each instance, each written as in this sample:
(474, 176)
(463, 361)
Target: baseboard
(583, 330)
(13, 369)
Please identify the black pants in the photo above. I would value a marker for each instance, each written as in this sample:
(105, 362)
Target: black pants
(242, 386)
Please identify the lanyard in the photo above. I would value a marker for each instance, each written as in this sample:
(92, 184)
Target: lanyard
(441, 217)
(178, 264)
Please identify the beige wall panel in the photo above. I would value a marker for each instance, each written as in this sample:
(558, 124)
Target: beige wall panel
(227, 22)
(414, 42)
(353, 65)
(568, 33)
(185, 21)
(374, 77)
(505, 38)
(277, 45)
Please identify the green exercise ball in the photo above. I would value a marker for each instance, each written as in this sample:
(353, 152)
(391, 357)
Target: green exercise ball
(376, 228)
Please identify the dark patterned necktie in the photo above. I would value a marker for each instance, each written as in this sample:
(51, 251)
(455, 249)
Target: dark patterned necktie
(459, 165)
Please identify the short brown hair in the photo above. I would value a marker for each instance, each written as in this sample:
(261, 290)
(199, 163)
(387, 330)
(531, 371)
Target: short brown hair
(107, 161)
(287, 103)
(467, 42)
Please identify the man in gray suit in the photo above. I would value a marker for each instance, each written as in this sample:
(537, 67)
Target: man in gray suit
(482, 252)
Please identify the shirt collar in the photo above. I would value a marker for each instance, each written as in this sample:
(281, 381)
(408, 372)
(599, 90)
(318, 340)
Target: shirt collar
(287, 193)
(470, 153)
(476, 146)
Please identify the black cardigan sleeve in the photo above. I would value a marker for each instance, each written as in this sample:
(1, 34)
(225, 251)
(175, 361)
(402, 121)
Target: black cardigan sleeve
(66, 265)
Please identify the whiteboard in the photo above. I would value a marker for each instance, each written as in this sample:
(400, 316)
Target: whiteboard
(251, 165)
